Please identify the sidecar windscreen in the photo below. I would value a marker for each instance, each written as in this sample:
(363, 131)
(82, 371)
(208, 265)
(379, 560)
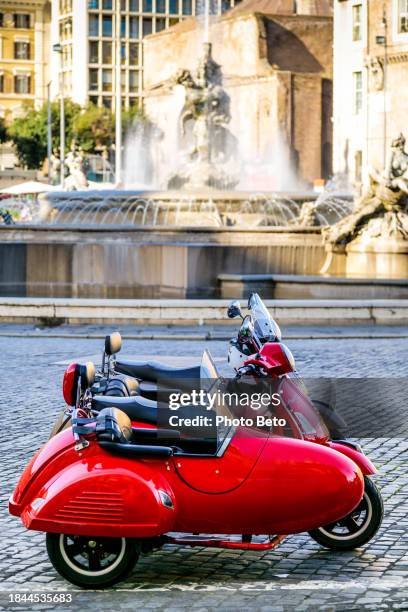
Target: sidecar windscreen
(211, 383)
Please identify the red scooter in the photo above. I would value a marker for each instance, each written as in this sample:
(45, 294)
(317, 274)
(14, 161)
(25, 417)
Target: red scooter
(104, 491)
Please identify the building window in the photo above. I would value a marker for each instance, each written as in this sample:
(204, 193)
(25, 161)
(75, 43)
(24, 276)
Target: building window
(133, 54)
(358, 92)
(93, 79)
(94, 52)
(1, 20)
(160, 24)
(22, 84)
(147, 6)
(107, 102)
(93, 25)
(21, 21)
(160, 6)
(173, 6)
(93, 5)
(133, 27)
(123, 27)
(402, 16)
(188, 7)
(134, 6)
(1, 83)
(65, 6)
(107, 5)
(357, 10)
(107, 26)
(147, 26)
(107, 80)
(21, 50)
(133, 80)
(106, 52)
(358, 164)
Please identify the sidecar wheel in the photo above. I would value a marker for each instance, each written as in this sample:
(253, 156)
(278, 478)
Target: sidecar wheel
(92, 562)
(358, 527)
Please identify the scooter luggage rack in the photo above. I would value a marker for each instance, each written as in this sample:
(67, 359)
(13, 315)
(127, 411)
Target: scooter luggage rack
(271, 543)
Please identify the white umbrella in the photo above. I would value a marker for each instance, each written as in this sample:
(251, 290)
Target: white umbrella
(29, 187)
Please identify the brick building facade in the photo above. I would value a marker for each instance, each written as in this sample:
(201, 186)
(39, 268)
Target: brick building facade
(276, 60)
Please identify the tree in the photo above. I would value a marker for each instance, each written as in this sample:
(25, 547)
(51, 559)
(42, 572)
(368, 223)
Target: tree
(29, 132)
(3, 131)
(94, 128)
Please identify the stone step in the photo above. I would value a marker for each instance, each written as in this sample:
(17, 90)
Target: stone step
(304, 287)
(54, 311)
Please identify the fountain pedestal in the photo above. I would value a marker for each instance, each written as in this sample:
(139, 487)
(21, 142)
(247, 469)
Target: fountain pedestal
(379, 251)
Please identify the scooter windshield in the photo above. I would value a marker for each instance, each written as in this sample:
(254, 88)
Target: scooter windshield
(265, 327)
(305, 416)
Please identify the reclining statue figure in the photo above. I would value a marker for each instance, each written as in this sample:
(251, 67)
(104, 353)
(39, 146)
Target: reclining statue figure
(387, 192)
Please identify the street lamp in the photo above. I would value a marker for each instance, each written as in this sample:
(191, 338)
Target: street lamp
(118, 97)
(58, 49)
(49, 131)
(382, 39)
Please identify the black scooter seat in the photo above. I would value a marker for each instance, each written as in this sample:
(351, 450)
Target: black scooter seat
(154, 371)
(137, 408)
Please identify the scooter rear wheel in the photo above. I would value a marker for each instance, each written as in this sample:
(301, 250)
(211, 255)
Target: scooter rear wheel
(358, 527)
(92, 562)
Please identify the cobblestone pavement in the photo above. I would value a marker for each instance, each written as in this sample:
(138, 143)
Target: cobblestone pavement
(298, 575)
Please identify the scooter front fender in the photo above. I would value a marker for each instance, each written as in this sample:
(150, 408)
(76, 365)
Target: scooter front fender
(366, 466)
(101, 495)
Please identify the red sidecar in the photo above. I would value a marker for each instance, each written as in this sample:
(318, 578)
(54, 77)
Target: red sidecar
(123, 490)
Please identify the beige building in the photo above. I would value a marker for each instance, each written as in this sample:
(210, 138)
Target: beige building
(24, 55)
(276, 60)
(370, 82)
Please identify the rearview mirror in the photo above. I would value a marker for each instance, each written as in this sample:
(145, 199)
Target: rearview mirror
(234, 310)
(113, 343)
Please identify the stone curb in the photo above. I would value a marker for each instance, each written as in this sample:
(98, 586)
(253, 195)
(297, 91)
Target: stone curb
(53, 311)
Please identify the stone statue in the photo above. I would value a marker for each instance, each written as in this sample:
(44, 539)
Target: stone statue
(55, 167)
(376, 71)
(307, 216)
(74, 161)
(207, 108)
(386, 198)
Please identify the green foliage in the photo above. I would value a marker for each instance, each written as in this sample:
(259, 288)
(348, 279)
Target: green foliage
(29, 132)
(3, 131)
(92, 127)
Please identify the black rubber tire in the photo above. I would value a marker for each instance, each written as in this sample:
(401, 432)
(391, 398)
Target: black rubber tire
(55, 542)
(377, 512)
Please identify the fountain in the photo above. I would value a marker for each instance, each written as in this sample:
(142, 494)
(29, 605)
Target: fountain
(191, 175)
(173, 235)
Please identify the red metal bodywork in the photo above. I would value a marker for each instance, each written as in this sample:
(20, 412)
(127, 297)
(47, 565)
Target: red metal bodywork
(272, 359)
(260, 485)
